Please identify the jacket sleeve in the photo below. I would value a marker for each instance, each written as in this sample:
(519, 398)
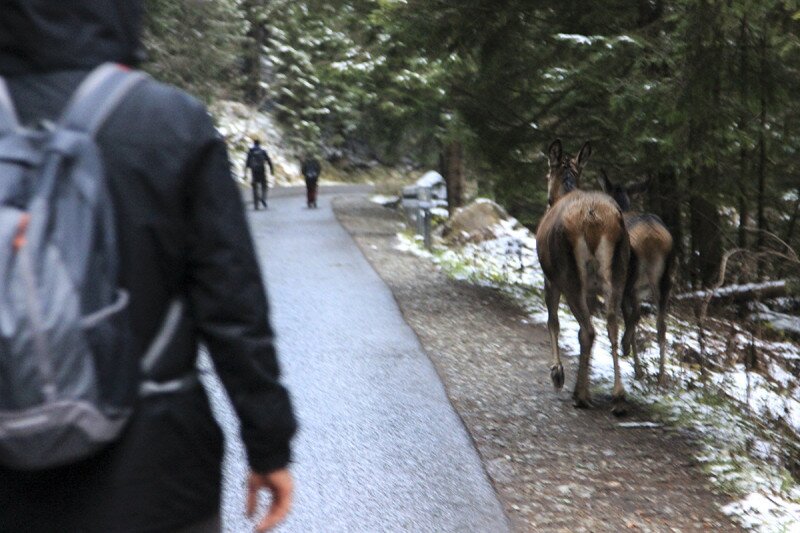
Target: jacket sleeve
(269, 162)
(229, 306)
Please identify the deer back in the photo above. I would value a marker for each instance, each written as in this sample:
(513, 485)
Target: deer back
(581, 220)
(650, 239)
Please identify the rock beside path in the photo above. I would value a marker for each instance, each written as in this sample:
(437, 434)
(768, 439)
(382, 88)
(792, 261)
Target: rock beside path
(475, 222)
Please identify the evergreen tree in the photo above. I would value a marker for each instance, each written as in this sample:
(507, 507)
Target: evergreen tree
(692, 96)
(196, 45)
(255, 13)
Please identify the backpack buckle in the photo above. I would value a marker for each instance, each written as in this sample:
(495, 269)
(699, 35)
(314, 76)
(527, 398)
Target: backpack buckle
(21, 237)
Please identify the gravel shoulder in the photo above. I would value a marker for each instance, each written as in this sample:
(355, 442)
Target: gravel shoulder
(555, 468)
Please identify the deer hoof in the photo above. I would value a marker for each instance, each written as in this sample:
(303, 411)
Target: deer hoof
(580, 399)
(581, 403)
(557, 375)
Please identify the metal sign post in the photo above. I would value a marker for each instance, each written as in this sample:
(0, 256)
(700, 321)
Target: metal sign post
(425, 197)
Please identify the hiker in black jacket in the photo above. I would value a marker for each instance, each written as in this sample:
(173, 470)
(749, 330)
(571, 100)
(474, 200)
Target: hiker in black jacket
(311, 170)
(257, 159)
(182, 233)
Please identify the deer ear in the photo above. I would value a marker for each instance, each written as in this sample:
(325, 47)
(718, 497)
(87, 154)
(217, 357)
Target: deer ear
(604, 182)
(584, 155)
(555, 152)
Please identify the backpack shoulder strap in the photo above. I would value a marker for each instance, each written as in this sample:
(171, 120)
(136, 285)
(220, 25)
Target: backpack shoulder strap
(8, 116)
(97, 96)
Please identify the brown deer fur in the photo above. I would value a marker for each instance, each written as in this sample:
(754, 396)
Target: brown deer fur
(651, 267)
(584, 252)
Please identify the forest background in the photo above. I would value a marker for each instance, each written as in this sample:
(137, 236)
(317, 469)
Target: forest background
(694, 98)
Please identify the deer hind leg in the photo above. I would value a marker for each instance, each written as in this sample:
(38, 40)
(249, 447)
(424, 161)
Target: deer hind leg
(618, 393)
(586, 337)
(661, 298)
(580, 309)
(614, 275)
(631, 314)
(578, 299)
(661, 327)
(552, 296)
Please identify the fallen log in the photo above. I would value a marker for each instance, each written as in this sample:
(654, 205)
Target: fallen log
(739, 293)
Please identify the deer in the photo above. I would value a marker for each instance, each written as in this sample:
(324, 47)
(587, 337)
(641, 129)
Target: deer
(651, 268)
(583, 250)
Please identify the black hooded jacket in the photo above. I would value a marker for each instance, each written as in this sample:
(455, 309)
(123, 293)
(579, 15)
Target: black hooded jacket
(182, 232)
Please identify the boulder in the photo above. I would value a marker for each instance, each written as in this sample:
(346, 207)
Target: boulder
(475, 222)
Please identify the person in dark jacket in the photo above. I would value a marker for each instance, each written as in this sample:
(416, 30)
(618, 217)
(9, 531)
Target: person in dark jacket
(182, 233)
(257, 160)
(311, 170)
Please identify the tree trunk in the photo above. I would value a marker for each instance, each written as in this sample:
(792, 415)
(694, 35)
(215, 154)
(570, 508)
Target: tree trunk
(256, 40)
(762, 153)
(793, 220)
(744, 218)
(704, 223)
(706, 240)
(744, 94)
(664, 199)
(454, 174)
(704, 90)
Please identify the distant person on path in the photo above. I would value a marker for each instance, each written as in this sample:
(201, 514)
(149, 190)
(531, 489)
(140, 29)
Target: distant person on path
(257, 159)
(311, 170)
(182, 238)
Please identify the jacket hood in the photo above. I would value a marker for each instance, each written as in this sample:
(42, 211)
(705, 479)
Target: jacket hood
(49, 35)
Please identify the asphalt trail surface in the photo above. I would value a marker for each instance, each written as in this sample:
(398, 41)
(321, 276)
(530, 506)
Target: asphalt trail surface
(380, 447)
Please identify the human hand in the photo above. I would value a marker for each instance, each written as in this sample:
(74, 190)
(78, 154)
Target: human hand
(280, 486)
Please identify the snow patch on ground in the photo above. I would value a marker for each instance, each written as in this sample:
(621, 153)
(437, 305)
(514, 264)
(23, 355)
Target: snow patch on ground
(440, 212)
(384, 200)
(412, 245)
(736, 411)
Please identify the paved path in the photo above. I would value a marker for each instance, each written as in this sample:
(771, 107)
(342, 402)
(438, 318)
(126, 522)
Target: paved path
(380, 446)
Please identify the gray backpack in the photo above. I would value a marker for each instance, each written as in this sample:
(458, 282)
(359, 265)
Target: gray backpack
(68, 379)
